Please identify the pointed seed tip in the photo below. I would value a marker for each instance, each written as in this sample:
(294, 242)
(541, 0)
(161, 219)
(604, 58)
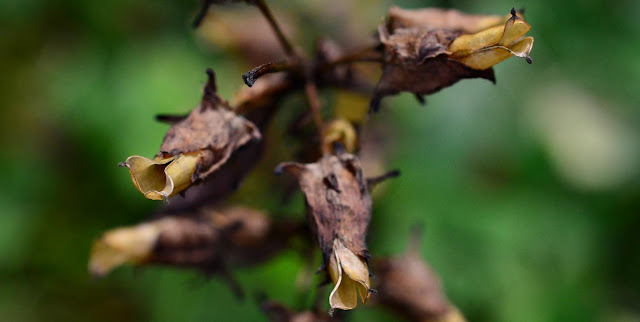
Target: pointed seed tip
(122, 164)
(513, 11)
(529, 60)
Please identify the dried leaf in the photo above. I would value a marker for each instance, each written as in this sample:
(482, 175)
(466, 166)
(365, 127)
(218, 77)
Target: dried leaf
(193, 148)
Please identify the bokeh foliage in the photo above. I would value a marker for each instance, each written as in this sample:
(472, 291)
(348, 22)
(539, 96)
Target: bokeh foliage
(529, 190)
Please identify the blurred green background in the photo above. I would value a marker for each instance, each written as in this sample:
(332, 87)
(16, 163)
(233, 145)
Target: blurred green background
(529, 190)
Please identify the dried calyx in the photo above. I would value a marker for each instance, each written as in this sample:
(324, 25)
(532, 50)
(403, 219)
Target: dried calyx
(193, 148)
(338, 210)
(429, 49)
(208, 240)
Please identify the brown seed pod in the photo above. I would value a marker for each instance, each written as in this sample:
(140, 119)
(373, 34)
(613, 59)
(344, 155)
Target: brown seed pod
(193, 148)
(339, 211)
(411, 288)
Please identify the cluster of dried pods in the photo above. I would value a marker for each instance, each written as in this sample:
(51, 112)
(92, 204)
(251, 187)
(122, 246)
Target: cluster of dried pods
(209, 151)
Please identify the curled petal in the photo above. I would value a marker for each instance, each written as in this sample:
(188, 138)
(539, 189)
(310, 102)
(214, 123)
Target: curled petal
(344, 295)
(350, 275)
(340, 130)
(128, 245)
(490, 56)
(489, 47)
(162, 178)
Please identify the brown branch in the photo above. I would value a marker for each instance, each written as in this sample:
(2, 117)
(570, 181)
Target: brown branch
(284, 42)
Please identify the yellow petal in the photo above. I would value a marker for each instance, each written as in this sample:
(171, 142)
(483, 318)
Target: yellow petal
(128, 245)
(469, 43)
(490, 56)
(162, 178)
(505, 35)
(354, 268)
(340, 130)
(514, 29)
(344, 295)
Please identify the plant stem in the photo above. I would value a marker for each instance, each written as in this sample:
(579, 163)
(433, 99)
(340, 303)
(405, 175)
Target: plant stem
(286, 45)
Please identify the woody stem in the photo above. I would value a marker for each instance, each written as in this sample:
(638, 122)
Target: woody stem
(284, 42)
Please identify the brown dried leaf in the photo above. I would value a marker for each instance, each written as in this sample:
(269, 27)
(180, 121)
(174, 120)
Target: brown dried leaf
(208, 135)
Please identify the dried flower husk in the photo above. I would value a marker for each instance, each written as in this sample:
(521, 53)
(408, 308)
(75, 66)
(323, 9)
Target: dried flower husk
(339, 211)
(193, 148)
(417, 60)
(412, 289)
(209, 240)
(423, 57)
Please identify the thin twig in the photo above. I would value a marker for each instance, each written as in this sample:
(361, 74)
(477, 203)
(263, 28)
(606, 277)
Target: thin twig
(368, 54)
(286, 45)
(252, 76)
(314, 104)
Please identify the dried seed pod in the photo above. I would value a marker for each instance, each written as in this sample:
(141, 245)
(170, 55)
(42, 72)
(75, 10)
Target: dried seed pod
(417, 60)
(412, 289)
(423, 57)
(339, 211)
(193, 148)
(209, 240)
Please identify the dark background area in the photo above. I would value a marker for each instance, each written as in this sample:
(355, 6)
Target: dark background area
(528, 190)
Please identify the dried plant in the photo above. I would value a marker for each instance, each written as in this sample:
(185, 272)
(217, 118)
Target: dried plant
(208, 152)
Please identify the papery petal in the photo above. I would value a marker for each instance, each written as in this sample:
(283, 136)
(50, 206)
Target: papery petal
(355, 269)
(340, 130)
(490, 56)
(469, 43)
(162, 178)
(344, 295)
(124, 245)
(505, 35)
